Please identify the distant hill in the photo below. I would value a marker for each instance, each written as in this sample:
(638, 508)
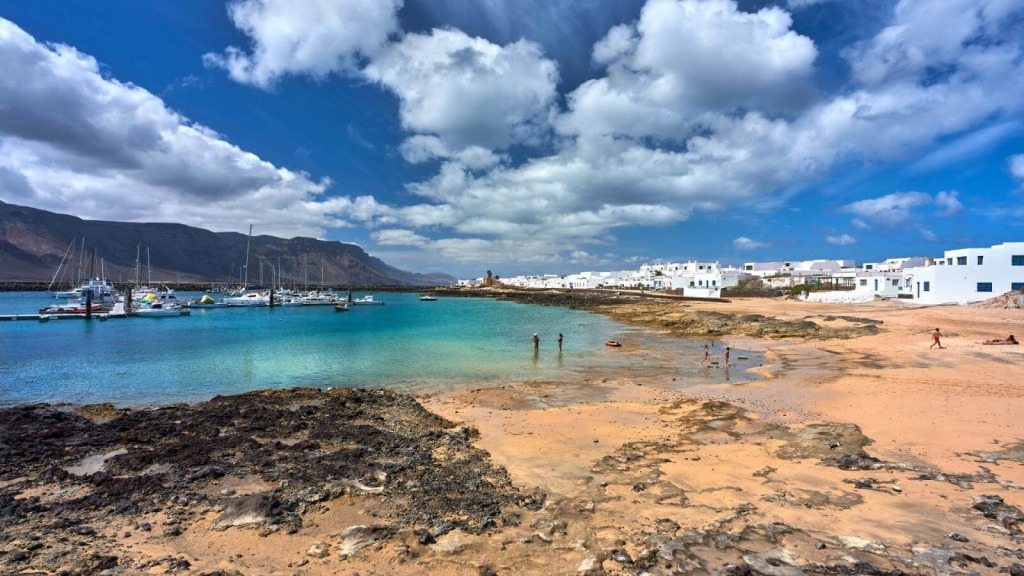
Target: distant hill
(32, 243)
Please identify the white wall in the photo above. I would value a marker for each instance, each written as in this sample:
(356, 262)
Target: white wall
(957, 283)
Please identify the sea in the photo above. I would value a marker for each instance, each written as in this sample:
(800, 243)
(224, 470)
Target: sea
(407, 345)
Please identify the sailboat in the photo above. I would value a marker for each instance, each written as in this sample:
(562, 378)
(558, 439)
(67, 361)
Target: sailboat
(250, 297)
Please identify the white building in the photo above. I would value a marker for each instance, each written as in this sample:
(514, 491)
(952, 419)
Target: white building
(968, 275)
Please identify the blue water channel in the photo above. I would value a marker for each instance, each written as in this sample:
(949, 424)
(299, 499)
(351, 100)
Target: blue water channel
(406, 344)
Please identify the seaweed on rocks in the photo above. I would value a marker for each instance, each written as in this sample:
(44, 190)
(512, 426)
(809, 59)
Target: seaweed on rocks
(308, 446)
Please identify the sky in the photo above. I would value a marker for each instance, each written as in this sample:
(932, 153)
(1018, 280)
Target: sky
(527, 136)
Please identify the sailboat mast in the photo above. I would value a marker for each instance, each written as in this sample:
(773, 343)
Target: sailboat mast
(149, 267)
(245, 283)
(81, 258)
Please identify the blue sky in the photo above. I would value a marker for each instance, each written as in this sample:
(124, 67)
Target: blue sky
(527, 136)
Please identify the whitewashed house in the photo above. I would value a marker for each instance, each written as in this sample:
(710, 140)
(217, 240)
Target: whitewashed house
(968, 275)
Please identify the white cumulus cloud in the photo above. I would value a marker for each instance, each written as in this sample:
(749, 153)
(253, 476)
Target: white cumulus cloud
(73, 140)
(843, 240)
(315, 37)
(468, 91)
(744, 243)
(1016, 164)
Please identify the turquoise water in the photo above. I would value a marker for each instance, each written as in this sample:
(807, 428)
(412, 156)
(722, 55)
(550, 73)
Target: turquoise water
(407, 344)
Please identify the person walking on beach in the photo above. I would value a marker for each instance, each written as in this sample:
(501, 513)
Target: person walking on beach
(727, 350)
(935, 339)
(536, 341)
(559, 341)
(707, 354)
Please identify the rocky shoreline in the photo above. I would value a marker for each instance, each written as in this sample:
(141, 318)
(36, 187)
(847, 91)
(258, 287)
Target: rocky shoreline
(347, 481)
(678, 318)
(304, 447)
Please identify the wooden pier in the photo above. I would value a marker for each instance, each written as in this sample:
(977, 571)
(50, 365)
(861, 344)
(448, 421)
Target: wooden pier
(48, 317)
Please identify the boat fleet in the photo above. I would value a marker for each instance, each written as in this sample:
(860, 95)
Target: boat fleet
(101, 297)
(98, 295)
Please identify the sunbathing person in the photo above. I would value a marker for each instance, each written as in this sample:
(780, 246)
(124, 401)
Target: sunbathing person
(1010, 340)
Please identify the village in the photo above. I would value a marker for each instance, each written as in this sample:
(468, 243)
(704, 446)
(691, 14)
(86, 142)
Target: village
(959, 276)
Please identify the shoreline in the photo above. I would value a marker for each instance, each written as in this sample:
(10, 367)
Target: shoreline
(828, 461)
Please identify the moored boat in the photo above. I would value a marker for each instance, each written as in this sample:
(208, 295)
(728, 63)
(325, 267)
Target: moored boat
(367, 301)
(70, 308)
(161, 310)
(250, 299)
(341, 307)
(427, 298)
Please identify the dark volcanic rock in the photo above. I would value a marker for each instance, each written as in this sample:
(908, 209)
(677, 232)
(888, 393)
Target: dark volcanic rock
(311, 445)
(994, 508)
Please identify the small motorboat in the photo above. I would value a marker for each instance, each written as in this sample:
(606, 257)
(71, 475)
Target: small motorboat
(70, 308)
(341, 307)
(428, 298)
(161, 310)
(613, 343)
(367, 301)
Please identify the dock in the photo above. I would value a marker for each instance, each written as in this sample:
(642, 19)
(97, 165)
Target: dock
(117, 311)
(48, 317)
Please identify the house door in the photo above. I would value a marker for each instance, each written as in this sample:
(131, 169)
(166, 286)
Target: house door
(876, 284)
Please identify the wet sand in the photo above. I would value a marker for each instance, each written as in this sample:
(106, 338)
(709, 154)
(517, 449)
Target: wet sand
(860, 451)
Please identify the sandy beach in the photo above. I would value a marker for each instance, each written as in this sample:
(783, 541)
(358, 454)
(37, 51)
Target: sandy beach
(860, 450)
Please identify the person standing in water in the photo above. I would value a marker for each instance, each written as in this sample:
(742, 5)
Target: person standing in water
(536, 341)
(935, 339)
(727, 350)
(707, 354)
(559, 341)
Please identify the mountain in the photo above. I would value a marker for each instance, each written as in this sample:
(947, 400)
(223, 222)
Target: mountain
(33, 242)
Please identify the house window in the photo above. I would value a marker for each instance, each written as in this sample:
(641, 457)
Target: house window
(961, 260)
(1017, 286)
(869, 266)
(984, 286)
(1017, 260)
(949, 261)
(895, 282)
(981, 260)
(864, 282)
(927, 286)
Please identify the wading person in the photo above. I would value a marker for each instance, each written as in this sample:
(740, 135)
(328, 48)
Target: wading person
(536, 341)
(559, 341)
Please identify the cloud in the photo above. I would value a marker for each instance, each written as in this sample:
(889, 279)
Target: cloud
(467, 91)
(798, 4)
(115, 151)
(844, 240)
(697, 106)
(684, 58)
(744, 243)
(314, 37)
(949, 203)
(898, 207)
(891, 209)
(1016, 165)
(398, 237)
(928, 235)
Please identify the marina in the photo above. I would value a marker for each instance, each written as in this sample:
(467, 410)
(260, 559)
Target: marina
(406, 345)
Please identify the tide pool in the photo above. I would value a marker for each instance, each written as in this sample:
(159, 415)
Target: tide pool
(406, 344)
